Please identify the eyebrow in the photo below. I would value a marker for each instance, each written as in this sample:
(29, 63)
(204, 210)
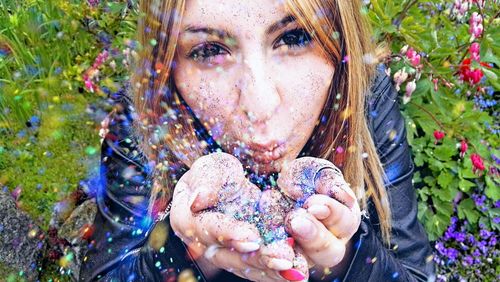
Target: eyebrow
(224, 33)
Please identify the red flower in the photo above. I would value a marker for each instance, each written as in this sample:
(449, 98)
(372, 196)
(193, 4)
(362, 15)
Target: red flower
(463, 148)
(477, 162)
(438, 135)
(469, 75)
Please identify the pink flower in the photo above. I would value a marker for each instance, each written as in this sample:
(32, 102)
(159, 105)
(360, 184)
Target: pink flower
(477, 162)
(399, 77)
(435, 81)
(463, 148)
(89, 85)
(475, 18)
(476, 30)
(410, 87)
(413, 56)
(476, 25)
(474, 51)
(438, 135)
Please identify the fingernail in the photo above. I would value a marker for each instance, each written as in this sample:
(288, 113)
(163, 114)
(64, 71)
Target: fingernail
(246, 247)
(290, 241)
(303, 227)
(319, 211)
(292, 274)
(194, 202)
(280, 264)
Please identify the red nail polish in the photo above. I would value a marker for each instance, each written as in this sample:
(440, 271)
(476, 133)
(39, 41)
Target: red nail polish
(290, 241)
(292, 274)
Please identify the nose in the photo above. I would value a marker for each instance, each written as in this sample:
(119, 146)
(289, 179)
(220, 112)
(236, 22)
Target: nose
(259, 97)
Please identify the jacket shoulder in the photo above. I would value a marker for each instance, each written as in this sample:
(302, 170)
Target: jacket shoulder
(387, 127)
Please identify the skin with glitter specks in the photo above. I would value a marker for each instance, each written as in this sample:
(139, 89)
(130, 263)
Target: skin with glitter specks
(260, 95)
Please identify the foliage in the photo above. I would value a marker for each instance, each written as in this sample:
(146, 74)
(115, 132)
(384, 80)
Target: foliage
(445, 63)
(48, 118)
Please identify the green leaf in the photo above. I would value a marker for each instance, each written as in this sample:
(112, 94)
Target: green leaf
(489, 74)
(444, 208)
(423, 193)
(492, 191)
(490, 58)
(467, 209)
(419, 159)
(444, 179)
(467, 173)
(444, 152)
(435, 164)
(492, 213)
(431, 181)
(465, 185)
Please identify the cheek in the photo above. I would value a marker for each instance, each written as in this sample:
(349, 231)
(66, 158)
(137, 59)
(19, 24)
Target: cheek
(210, 97)
(304, 86)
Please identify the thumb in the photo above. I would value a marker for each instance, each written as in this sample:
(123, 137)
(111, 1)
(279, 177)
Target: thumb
(203, 198)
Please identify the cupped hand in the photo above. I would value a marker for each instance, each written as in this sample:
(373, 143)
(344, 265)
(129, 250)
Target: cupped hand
(202, 215)
(330, 214)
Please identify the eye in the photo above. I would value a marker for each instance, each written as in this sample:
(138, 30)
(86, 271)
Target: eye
(295, 38)
(207, 52)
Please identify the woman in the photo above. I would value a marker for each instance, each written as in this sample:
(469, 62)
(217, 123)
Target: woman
(268, 82)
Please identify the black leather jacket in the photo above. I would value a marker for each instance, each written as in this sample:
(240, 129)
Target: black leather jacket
(119, 249)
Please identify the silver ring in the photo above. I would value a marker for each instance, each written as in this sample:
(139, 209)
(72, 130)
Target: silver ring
(335, 169)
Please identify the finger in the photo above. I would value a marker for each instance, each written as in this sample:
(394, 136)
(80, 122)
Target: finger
(277, 255)
(330, 182)
(298, 178)
(210, 227)
(300, 270)
(318, 243)
(180, 216)
(340, 220)
(218, 177)
(244, 265)
(217, 228)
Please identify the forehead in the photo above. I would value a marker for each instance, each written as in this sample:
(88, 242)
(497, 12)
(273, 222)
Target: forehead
(236, 16)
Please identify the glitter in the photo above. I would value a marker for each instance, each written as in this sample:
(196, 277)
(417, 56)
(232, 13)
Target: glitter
(153, 42)
(392, 134)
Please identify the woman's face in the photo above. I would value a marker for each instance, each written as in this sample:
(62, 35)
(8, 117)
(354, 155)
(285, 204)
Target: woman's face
(253, 76)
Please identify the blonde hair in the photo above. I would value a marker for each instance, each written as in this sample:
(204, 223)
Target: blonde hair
(166, 127)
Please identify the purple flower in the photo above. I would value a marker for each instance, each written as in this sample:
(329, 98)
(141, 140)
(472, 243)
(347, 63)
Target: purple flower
(440, 247)
(470, 238)
(468, 261)
(459, 236)
(93, 3)
(452, 254)
(493, 241)
(454, 220)
(482, 246)
(476, 253)
(479, 199)
(485, 234)
(497, 205)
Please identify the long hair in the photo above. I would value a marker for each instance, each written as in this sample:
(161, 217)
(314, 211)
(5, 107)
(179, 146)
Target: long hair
(165, 126)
